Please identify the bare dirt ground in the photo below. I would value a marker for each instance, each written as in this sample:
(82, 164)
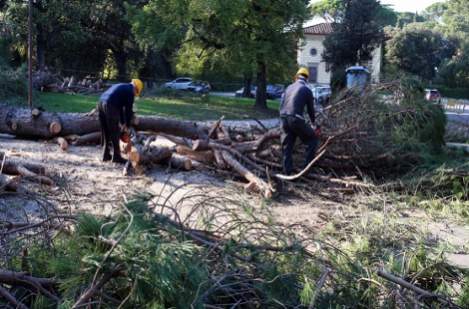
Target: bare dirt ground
(85, 184)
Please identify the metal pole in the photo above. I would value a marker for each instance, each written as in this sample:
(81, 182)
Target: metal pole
(30, 55)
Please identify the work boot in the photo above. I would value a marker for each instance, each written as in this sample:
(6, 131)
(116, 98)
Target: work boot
(106, 157)
(119, 160)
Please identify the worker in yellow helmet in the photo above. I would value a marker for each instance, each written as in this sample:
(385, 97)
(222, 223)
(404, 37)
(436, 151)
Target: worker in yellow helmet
(296, 98)
(115, 109)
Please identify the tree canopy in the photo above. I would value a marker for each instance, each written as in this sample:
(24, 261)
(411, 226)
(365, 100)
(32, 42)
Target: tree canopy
(356, 36)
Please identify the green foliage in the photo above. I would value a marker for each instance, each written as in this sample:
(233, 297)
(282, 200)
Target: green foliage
(453, 72)
(13, 84)
(241, 37)
(455, 93)
(418, 50)
(356, 36)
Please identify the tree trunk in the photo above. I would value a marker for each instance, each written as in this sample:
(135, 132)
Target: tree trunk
(21, 123)
(247, 86)
(261, 93)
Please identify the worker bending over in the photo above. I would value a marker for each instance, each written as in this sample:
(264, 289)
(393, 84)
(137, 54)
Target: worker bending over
(296, 97)
(115, 109)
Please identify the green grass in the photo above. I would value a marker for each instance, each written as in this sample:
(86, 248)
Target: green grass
(185, 107)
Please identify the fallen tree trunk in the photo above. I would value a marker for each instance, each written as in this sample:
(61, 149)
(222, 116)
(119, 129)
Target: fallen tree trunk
(22, 123)
(10, 166)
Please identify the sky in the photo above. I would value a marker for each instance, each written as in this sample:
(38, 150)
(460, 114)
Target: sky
(409, 5)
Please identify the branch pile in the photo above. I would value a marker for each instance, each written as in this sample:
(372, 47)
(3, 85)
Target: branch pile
(142, 256)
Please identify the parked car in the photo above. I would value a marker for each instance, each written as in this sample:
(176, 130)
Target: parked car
(240, 92)
(199, 87)
(322, 94)
(181, 83)
(275, 91)
(432, 95)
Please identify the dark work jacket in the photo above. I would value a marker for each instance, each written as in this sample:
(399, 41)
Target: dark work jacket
(120, 97)
(296, 97)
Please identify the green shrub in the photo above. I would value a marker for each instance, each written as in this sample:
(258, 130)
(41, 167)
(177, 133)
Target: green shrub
(13, 84)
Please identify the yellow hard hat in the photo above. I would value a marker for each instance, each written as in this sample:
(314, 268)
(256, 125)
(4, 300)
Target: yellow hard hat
(303, 71)
(138, 86)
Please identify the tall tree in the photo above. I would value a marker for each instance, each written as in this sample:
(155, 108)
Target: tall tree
(356, 35)
(252, 34)
(418, 50)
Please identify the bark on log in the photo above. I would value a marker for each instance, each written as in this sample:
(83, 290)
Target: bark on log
(27, 174)
(140, 155)
(10, 166)
(201, 156)
(181, 128)
(86, 139)
(255, 183)
(219, 159)
(21, 123)
(180, 162)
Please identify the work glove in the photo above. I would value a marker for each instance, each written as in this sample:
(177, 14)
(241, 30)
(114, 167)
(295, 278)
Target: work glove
(317, 131)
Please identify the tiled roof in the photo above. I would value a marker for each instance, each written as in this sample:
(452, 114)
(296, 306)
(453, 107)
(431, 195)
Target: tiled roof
(324, 28)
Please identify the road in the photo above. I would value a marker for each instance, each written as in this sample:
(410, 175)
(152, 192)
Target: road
(463, 118)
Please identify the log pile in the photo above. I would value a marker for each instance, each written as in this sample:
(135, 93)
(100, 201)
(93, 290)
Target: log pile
(358, 140)
(49, 82)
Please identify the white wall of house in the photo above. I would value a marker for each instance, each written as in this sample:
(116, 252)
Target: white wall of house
(306, 59)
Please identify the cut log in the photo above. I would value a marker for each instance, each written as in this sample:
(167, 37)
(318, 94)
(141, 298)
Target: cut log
(148, 155)
(201, 144)
(63, 144)
(180, 162)
(201, 156)
(35, 112)
(180, 128)
(255, 183)
(86, 139)
(19, 122)
(8, 183)
(10, 166)
(27, 174)
(219, 159)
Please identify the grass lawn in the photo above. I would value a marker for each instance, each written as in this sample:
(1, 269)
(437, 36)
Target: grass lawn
(187, 107)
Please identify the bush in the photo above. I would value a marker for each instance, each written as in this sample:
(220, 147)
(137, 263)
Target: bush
(455, 93)
(13, 84)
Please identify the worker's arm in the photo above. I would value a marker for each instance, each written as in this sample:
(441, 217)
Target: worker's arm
(310, 104)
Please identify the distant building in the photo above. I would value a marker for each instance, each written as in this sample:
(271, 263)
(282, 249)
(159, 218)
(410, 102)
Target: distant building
(310, 55)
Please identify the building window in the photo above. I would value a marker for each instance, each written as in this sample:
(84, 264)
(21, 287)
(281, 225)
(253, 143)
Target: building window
(313, 52)
(313, 73)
